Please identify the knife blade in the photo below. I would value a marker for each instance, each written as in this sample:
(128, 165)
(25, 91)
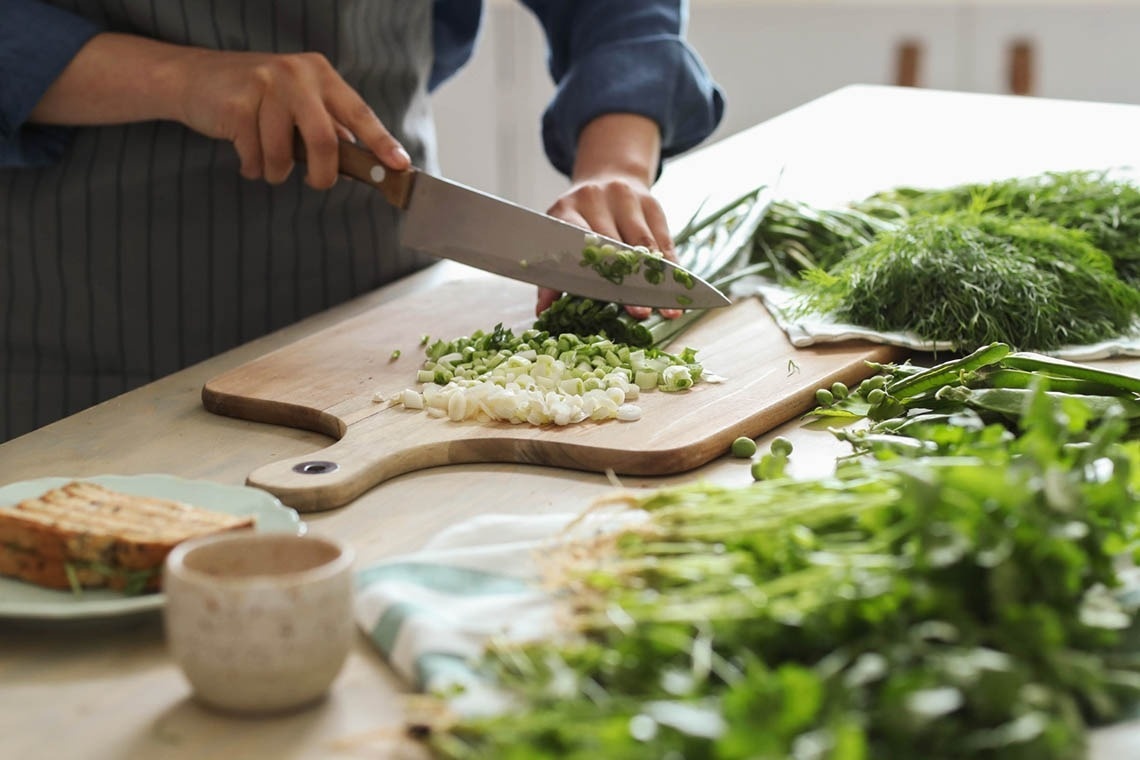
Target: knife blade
(449, 220)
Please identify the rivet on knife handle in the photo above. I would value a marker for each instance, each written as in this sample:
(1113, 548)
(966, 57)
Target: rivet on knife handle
(360, 164)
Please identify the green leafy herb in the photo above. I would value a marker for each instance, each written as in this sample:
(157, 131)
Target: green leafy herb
(959, 604)
(73, 579)
(134, 582)
(972, 279)
(1106, 209)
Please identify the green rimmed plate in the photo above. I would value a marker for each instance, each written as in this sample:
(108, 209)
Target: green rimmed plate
(24, 600)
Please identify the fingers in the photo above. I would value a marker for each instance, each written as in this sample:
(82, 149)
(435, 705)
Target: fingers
(248, 146)
(620, 210)
(330, 111)
(370, 132)
(658, 226)
(275, 132)
(641, 221)
(623, 210)
(259, 101)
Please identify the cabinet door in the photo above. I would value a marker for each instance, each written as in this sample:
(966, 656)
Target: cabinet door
(769, 56)
(1076, 50)
(772, 56)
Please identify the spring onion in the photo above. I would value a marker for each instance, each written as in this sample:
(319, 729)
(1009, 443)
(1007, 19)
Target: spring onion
(539, 378)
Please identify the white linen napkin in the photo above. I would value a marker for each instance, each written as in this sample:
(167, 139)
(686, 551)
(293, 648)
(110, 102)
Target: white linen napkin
(432, 612)
(809, 329)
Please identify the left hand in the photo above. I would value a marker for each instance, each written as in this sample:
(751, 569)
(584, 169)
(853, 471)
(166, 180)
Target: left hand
(617, 207)
(609, 192)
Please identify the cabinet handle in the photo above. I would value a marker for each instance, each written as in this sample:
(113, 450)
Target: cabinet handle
(1021, 65)
(908, 62)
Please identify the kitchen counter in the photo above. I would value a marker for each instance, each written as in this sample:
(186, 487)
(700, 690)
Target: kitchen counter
(107, 689)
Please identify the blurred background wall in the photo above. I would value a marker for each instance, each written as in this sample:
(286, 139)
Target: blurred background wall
(773, 55)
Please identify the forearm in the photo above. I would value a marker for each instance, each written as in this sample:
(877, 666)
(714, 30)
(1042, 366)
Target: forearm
(115, 79)
(618, 145)
(257, 101)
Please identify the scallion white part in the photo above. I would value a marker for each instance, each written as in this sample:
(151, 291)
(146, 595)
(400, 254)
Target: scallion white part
(537, 378)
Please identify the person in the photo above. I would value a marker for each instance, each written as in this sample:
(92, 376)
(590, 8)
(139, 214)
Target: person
(133, 241)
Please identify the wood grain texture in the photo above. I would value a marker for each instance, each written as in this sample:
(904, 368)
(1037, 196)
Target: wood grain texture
(326, 383)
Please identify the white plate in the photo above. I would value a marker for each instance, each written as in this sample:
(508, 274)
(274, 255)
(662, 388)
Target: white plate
(25, 600)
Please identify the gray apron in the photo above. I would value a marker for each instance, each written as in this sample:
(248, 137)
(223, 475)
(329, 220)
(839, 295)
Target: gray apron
(145, 251)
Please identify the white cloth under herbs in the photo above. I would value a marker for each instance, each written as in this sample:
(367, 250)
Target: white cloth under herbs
(432, 612)
(809, 329)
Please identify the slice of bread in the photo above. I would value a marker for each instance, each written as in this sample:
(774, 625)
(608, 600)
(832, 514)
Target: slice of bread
(83, 534)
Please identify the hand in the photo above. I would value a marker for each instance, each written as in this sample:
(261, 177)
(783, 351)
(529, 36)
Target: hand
(613, 171)
(257, 100)
(621, 208)
(254, 100)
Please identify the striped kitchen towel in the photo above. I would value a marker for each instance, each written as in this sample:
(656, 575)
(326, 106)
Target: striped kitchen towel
(432, 612)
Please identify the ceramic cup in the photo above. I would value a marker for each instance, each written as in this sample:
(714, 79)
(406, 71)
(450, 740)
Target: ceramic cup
(259, 622)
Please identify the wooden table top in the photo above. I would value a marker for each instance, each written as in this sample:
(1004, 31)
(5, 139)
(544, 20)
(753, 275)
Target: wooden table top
(107, 689)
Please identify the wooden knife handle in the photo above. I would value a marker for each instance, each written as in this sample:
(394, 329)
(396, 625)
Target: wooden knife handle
(361, 165)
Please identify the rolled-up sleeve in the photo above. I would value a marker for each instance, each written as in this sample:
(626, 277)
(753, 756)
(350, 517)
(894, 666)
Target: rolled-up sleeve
(624, 56)
(37, 41)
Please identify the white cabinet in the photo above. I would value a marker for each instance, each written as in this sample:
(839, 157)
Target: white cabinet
(1076, 50)
(770, 57)
(773, 55)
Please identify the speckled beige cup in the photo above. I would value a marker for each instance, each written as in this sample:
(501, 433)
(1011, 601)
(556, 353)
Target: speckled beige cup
(259, 622)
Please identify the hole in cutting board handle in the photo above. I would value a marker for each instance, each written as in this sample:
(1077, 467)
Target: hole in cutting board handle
(316, 467)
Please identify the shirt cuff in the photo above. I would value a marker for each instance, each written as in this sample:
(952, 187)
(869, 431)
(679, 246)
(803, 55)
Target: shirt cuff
(37, 42)
(660, 78)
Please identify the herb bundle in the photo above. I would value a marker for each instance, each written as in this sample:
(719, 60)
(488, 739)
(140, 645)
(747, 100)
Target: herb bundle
(972, 279)
(956, 604)
(1038, 262)
(1105, 209)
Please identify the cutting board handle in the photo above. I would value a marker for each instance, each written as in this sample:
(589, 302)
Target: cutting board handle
(361, 165)
(334, 476)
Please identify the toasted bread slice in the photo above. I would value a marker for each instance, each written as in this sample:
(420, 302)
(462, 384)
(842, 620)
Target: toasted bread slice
(83, 533)
(53, 573)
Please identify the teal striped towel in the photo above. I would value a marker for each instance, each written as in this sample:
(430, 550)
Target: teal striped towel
(432, 612)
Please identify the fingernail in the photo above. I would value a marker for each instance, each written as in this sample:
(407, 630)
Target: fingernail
(400, 155)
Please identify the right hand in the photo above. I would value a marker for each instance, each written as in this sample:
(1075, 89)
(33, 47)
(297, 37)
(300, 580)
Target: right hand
(257, 100)
(254, 100)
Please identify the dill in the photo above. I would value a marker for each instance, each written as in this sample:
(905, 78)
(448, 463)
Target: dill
(1106, 209)
(973, 279)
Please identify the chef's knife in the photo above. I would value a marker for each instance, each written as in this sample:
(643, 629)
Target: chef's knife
(449, 220)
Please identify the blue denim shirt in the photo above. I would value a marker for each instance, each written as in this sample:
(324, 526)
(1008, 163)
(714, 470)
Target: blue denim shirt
(605, 56)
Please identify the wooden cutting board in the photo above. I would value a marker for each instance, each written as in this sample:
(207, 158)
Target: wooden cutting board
(327, 381)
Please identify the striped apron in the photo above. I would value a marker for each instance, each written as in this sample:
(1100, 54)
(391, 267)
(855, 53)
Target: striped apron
(145, 251)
